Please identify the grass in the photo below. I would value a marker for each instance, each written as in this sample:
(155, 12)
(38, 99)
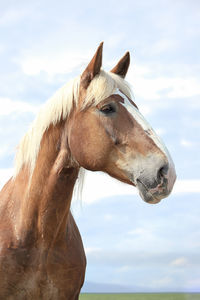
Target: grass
(163, 296)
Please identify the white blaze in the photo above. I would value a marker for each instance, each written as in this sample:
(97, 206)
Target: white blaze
(138, 117)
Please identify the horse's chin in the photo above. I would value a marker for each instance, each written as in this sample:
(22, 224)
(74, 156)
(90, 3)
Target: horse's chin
(148, 196)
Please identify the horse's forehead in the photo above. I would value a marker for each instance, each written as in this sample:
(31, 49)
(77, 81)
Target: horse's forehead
(132, 108)
(123, 98)
(112, 97)
(118, 96)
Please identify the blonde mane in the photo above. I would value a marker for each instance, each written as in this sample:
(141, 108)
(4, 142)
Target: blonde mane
(59, 107)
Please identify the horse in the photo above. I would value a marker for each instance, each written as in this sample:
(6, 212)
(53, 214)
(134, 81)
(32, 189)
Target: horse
(91, 123)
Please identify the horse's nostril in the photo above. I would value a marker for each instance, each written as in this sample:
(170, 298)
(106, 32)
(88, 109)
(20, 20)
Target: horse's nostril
(162, 171)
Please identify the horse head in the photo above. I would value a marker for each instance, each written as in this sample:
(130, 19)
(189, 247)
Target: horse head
(108, 133)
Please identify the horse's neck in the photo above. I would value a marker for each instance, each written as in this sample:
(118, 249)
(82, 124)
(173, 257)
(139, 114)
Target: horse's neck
(46, 205)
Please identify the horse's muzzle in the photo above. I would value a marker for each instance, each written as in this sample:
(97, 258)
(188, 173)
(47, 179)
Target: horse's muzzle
(154, 189)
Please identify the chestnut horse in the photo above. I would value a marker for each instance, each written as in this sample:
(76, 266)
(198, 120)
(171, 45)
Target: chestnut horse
(90, 123)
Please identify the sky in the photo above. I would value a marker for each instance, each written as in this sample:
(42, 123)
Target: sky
(129, 244)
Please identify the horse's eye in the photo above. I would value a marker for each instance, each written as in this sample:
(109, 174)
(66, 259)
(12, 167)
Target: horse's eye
(108, 109)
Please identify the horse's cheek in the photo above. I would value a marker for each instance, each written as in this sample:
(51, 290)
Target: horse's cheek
(90, 147)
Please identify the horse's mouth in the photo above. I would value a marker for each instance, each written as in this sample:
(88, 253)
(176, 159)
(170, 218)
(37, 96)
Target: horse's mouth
(147, 195)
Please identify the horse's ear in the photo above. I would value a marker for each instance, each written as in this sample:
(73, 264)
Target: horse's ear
(93, 68)
(122, 67)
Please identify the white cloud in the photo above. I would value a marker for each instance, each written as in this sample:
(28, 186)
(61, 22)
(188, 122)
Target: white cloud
(190, 144)
(162, 45)
(187, 186)
(92, 250)
(115, 40)
(145, 109)
(180, 262)
(186, 143)
(147, 86)
(52, 63)
(9, 106)
(160, 131)
(183, 87)
(98, 185)
(108, 217)
(124, 269)
(139, 237)
(12, 16)
(140, 231)
(3, 150)
(5, 174)
(2, 48)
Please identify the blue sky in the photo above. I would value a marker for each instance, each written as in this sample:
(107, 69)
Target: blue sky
(44, 44)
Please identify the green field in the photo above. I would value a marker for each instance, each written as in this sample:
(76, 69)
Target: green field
(163, 296)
